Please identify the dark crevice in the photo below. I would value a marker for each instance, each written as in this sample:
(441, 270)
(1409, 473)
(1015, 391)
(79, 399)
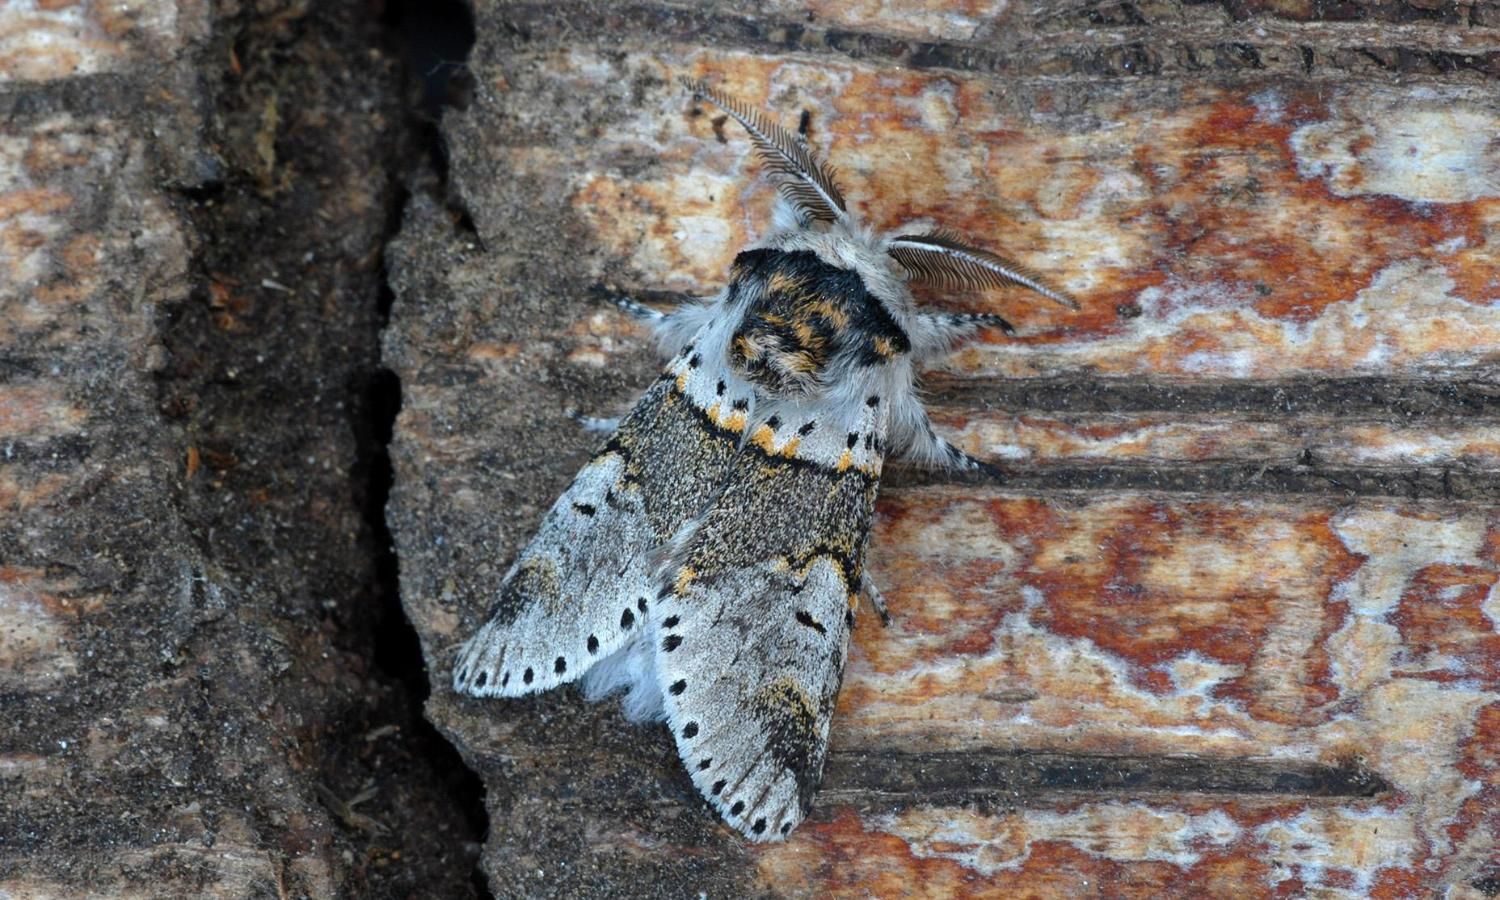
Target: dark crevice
(272, 373)
(409, 812)
(397, 651)
(434, 40)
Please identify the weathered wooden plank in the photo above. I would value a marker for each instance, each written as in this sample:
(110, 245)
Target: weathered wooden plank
(1228, 626)
(192, 204)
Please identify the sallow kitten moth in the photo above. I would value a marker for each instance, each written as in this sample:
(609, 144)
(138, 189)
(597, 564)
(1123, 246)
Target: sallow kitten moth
(709, 558)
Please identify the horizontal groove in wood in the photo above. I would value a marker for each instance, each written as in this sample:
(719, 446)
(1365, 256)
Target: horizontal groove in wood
(852, 777)
(1413, 483)
(1089, 51)
(1406, 398)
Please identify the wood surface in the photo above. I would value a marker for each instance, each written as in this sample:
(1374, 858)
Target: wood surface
(1228, 625)
(193, 202)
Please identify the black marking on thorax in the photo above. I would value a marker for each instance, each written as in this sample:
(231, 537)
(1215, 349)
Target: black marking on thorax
(805, 315)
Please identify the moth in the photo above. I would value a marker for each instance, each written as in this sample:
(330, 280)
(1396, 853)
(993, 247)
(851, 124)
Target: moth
(709, 558)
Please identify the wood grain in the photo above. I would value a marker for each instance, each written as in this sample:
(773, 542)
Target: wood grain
(1227, 627)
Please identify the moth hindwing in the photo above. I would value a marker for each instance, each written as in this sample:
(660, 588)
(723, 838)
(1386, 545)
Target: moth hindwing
(710, 557)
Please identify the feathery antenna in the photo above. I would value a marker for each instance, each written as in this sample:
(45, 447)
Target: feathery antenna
(942, 258)
(810, 185)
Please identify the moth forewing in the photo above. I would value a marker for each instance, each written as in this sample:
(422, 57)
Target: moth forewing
(755, 614)
(582, 587)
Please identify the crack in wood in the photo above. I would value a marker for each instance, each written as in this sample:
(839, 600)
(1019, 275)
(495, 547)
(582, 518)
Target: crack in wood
(1403, 399)
(1089, 51)
(1439, 482)
(858, 778)
(96, 95)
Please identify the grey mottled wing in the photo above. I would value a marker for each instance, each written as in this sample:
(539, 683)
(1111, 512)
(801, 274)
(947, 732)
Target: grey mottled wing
(753, 620)
(581, 588)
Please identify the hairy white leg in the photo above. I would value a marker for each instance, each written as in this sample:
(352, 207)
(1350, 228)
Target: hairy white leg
(639, 310)
(914, 440)
(934, 334)
(677, 327)
(673, 329)
(596, 424)
(877, 599)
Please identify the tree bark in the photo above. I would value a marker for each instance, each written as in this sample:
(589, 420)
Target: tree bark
(194, 200)
(1227, 627)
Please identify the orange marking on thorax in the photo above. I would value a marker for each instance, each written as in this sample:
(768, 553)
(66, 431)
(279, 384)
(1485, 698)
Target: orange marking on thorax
(765, 439)
(782, 283)
(732, 421)
(745, 347)
(806, 336)
(799, 362)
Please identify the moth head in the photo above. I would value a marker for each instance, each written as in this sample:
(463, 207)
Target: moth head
(807, 183)
(822, 301)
